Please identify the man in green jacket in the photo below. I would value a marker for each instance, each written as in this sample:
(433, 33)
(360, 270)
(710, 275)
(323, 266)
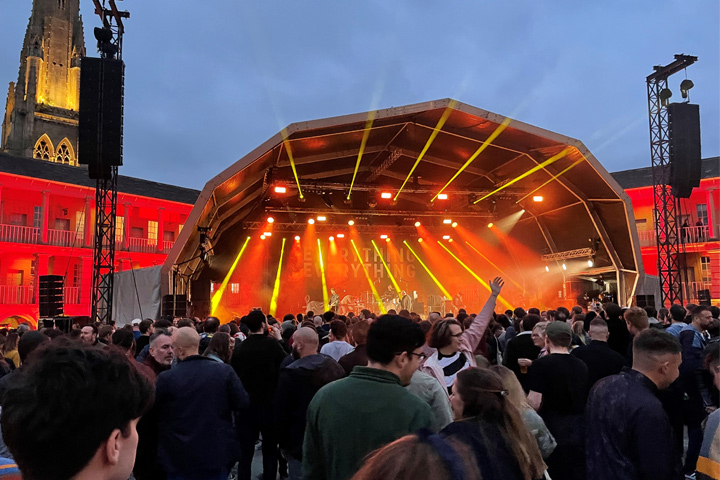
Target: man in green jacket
(349, 418)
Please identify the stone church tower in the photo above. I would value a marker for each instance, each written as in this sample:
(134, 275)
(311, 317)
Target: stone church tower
(41, 114)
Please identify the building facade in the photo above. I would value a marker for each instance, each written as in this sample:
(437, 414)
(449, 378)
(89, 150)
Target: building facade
(699, 220)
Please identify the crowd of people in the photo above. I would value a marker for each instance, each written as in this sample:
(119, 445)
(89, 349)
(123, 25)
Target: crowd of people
(592, 393)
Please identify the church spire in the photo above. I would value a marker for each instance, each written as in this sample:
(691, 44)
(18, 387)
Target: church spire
(45, 100)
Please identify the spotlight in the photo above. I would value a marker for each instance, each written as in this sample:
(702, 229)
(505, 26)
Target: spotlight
(522, 211)
(302, 198)
(340, 235)
(372, 200)
(685, 86)
(270, 220)
(547, 269)
(446, 237)
(262, 237)
(332, 239)
(386, 195)
(490, 225)
(442, 196)
(564, 266)
(311, 221)
(417, 224)
(420, 240)
(297, 238)
(387, 240)
(454, 224)
(268, 234)
(351, 222)
(590, 263)
(280, 190)
(665, 95)
(450, 240)
(447, 221)
(538, 198)
(383, 236)
(321, 218)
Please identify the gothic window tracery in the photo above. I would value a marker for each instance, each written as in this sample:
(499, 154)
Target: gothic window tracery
(64, 153)
(43, 149)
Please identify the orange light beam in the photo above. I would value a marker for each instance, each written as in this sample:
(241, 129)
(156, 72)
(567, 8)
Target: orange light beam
(434, 134)
(469, 270)
(437, 282)
(503, 125)
(217, 296)
(504, 274)
(276, 287)
(551, 179)
(326, 300)
(387, 269)
(381, 306)
(286, 143)
(366, 134)
(529, 172)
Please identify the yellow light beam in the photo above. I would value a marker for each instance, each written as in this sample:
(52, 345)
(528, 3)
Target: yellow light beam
(286, 143)
(503, 125)
(529, 172)
(381, 306)
(551, 179)
(482, 282)
(326, 302)
(217, 296)
(436, 130)
(276, 288)
(437, 282)
(387, 269)
(505, 275)
(366, 134)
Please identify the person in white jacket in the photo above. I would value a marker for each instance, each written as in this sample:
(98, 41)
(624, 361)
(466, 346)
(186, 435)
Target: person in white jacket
(454, 347)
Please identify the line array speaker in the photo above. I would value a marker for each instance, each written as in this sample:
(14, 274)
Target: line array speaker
(50, 296)
(685, 155)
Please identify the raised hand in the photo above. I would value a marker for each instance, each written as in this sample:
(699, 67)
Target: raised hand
(496, 285)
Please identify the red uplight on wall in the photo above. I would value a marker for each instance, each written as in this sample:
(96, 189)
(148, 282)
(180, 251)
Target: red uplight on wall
(280, 190)
(386, 195)
(442, 196)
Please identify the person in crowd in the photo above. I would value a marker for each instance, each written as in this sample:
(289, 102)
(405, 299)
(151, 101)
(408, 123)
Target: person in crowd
(533, 422)
(257, 362)
(493, 428)
(708, 464)
(521, 350)
(421, 455)
(136, 328)
(210, 327)
(580, 337)
(664, 317)
(10, 350)
(513, 329)
(195, 401)
(693, 342)
(619, 337)
(337, 347)
(538, 337)
(359, 355)
(558, 389)
(629, 435)
(88, 335)
(455, 347)
(146, 329)
(338, 437)
(636, 321)
(600, 359)
(219, 348)
(652, 314)
(26, 345)
(677, 316)
(161, 352)
(429, 390)
(105, 333)
(47, 395)
(297, 385)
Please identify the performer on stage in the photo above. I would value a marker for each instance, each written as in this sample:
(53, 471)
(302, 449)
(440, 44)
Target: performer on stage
(458, 302)
(389, 293)
(334, 301)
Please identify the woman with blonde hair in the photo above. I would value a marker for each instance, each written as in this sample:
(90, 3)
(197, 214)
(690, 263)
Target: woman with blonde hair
(493, 428)
(516, 395)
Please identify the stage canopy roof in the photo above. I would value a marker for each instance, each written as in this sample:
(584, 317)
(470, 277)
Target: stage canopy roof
(497, 166)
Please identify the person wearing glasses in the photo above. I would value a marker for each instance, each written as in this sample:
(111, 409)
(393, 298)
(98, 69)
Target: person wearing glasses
(455, 346)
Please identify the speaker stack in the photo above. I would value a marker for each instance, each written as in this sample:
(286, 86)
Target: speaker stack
(50, 296)
(685, 155)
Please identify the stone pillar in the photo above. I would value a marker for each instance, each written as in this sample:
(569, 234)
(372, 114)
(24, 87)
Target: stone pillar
(126, 226)
(2, 220)
(89, 227)
(86, 284)
(45, 216)
(161, 230)
(43, 264)
(712, 215)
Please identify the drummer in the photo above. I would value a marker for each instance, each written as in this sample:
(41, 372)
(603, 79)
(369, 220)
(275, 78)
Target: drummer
(390, 293)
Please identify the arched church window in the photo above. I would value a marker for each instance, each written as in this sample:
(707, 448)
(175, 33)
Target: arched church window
(43, 149)
(63, 154)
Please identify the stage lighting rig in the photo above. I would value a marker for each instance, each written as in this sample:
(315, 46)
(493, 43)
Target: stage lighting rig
(685, 87)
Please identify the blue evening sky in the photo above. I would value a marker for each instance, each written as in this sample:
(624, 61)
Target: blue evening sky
(206, 82)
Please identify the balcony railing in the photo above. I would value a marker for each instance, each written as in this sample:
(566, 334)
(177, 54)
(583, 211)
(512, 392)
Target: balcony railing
(19, 234)
(697, 234)
(647, 238)
(64, 238)
(143, 245)
(692, 289)
(167, 245)
(16, 295)
(71, 295)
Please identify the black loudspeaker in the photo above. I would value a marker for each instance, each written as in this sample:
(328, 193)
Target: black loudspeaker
(100, 137)
(685, 155)
(645, 300)
(704, 297)
(180, 305)
(50, 295)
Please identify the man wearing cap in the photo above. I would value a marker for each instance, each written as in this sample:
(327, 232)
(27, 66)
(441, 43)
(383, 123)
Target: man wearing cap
(558, 389)
(136, 328)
